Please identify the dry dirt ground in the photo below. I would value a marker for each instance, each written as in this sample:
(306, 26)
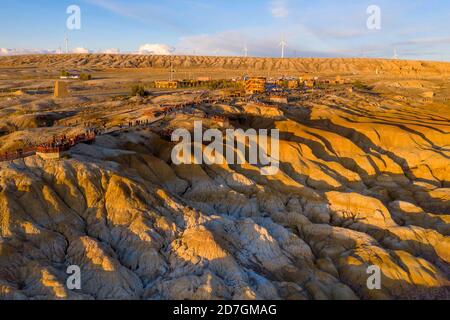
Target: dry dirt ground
(364, 180)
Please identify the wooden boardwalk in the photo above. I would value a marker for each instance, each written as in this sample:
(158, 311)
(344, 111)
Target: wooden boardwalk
(166, 109)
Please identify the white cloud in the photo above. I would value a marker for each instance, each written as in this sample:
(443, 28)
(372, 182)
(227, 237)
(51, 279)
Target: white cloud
(80, 50)
(117, 8)
(156, 49)
(279, 9)
(5, 51)
(260, 43)
(230, 43)
(12, 52)
(145, 12)
(425, 41)
(111, 51)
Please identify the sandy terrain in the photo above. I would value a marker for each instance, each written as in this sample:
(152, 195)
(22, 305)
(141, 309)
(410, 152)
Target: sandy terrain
(103, 61)
(364, 180)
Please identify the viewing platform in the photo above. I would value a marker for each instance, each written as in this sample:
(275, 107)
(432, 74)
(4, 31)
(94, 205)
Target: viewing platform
(58, 148)
(55, 149)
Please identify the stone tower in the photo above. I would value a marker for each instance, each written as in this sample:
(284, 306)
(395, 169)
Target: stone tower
(61, 89)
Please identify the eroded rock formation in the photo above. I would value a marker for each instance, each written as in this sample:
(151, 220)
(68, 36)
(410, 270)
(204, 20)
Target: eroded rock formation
(361, 184)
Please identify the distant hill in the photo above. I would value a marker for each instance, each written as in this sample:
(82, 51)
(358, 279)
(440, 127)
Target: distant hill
(306, 65)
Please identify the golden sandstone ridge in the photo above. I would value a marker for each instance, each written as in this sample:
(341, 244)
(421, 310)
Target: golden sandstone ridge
(364, 180)
(327, 65)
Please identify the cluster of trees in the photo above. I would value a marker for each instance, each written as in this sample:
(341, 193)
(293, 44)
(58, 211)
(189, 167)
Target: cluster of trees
(223, 84)
(283, 83)
(85, 77)
(65, 73)
(82, 76)
(361, 86)
(138, 90)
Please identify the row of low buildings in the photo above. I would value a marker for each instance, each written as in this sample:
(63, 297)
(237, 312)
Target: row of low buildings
(174, 84)
(308, 81)
(166, 84)
(255, 85)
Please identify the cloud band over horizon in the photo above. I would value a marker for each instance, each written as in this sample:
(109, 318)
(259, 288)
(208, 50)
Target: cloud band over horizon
(323, 28)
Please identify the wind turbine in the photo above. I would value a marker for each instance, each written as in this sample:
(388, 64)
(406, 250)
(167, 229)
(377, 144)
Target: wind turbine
(363, 53)
(245, 51)
(283, 45)
(66, 40)
(171, 51)
(395, 54)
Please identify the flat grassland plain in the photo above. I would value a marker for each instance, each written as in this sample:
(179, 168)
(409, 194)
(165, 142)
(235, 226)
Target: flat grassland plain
(364, 180)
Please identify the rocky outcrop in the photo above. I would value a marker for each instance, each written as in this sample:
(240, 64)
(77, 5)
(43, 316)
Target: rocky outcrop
(316, 65)
(357, 187)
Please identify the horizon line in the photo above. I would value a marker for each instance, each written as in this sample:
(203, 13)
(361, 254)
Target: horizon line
(215, 56)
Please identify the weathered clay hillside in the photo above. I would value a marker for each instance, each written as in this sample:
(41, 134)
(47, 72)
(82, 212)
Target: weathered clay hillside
(364, 180)
(316, 65)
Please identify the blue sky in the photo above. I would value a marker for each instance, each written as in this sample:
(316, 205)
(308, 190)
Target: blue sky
(319, 28)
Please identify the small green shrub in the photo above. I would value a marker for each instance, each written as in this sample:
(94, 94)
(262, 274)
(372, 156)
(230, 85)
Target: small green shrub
(222, 84)
(85, 77)
(361, 86)
(138, 90)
